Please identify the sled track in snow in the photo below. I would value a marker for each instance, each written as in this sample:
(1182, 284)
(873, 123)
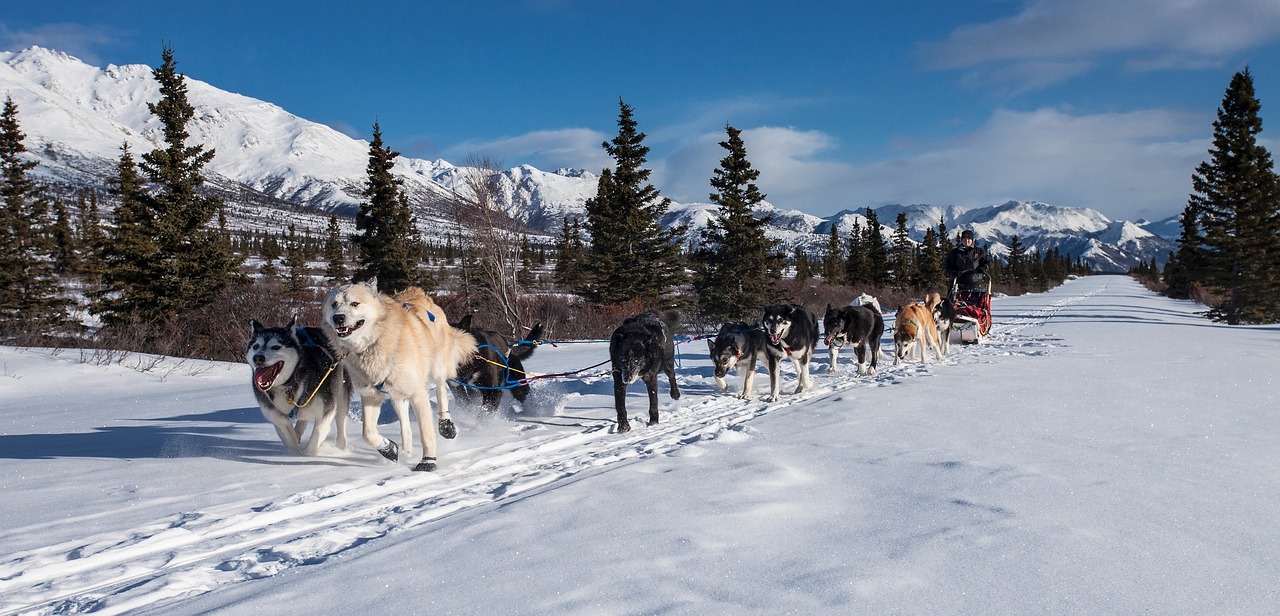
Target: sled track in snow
(197, 552)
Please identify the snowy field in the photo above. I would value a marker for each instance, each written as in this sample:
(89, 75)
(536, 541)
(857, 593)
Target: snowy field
(1107, 451)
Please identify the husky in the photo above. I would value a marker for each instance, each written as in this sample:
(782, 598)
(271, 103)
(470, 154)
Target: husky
(396, 347)
(861, 325)
(944, 312)
(297, 381)
(741, 345)
(641, 348)
(793, 332)
(914, 325)
(485, 375)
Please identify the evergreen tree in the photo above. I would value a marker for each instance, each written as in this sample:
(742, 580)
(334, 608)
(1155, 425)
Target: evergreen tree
(901, 253)
(877, 252)
(30, 295)
(1187, 265)
(570, 256)
(1016, 267)
(131, 253)
(1237, 195)
(944, 241)
(194, 262)
(803, 270)
(737, 266)
(855, 264)
(386, 236)
(66, 262)
(295, 263)
(93, 244)
(271, 252)
(336, 270)
(930, 263)
(632, 256)
(833, 263)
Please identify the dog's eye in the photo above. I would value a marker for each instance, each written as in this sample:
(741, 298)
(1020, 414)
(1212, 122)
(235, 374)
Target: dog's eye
(255, 346)
(276, 347)
(354, 304)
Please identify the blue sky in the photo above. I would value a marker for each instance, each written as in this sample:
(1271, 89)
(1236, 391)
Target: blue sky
(1105, 104)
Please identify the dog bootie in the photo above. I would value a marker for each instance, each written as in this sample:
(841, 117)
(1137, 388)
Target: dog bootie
(390, 451)
(427, 464)
(447, 429)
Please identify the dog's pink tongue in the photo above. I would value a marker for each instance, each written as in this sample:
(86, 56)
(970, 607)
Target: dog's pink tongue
(265, 376)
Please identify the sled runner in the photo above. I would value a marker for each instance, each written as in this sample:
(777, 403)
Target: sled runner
(972, 319)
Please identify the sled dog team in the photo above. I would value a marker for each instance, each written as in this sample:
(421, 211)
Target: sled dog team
(395, 346)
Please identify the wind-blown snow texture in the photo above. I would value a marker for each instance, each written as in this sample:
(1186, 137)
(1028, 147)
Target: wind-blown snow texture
(1107, 451)
(77, 116)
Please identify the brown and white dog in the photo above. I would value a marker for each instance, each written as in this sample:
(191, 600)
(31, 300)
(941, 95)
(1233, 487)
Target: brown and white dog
(914, 325)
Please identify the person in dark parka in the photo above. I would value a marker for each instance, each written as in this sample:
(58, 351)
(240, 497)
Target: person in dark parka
(968, 263)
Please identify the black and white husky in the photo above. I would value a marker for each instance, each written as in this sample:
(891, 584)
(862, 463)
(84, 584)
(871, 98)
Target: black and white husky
(741, 345)
(860, 325)
(793, 332)
(298, 381)
(497, 365)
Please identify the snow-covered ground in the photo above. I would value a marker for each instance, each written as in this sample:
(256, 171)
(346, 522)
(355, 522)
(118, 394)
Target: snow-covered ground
(1107, 451)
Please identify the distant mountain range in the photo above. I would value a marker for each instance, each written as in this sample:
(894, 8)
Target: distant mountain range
(277, 168)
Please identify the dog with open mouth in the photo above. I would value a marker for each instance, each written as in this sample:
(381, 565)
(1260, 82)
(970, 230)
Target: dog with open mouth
(298, 382)
(793, 333)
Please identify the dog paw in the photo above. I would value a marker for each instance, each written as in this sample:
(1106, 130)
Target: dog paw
(624, 426)
(771, 399)
(831, 370)
(427, 464)
(675, 394)
(390, 451)
(447, 429)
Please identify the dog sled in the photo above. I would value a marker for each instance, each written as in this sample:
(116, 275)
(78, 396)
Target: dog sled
(972, 319)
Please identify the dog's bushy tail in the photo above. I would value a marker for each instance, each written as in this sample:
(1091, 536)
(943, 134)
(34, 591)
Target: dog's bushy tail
(672, 319)
(524, 351)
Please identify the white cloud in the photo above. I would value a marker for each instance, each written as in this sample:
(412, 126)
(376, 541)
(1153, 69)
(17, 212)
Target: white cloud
(1126, 165)
(545, 149)
(1153, 33)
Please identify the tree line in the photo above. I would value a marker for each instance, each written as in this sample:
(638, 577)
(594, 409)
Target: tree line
(164, 267)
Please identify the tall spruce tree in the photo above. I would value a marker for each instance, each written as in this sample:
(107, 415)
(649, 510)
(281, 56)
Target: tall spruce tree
(902, 253)
(1237, 195)
(570, 256)
(878, 265)
(336, 269)
(1187, 265)
(833, 263)
(1017, 268)
(855, 264)
(93, 244)
(738, 270)
(295, 262)
(193, 262)
(930, 263)
(131, 252)
(386, 237)
(31, 300)
(631, 256)
(803, 270)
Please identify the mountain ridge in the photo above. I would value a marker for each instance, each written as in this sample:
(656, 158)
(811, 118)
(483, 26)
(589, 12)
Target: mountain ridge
(77, 116)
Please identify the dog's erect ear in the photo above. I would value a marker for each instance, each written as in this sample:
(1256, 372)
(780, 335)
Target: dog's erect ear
(294, 321)
(257, 327)
(829, 307)
(372, 283)
(464, 323)
(711, 346)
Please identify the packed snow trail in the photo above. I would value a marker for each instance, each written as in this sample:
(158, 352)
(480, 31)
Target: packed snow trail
(194, 552)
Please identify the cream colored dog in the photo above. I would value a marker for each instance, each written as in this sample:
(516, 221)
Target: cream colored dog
(395, 347)
(914, 325)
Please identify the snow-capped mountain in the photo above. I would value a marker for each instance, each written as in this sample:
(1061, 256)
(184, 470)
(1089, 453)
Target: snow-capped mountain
(275, 168)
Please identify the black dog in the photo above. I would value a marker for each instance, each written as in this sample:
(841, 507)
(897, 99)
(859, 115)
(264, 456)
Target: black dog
(793, 332)
(740, 345)
(640, 348)
(486, 373)
(862, 326)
